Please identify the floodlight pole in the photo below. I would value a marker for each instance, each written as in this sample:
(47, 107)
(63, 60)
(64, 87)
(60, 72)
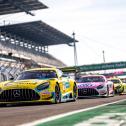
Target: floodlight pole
(75, 53)
(103, 56)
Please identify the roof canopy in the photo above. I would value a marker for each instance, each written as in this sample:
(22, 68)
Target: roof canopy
(38, 32)
(15, 6)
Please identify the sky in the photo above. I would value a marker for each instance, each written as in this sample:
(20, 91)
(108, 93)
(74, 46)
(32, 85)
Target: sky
(98, 24)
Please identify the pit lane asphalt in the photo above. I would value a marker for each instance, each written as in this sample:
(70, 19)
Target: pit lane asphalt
(20, 114)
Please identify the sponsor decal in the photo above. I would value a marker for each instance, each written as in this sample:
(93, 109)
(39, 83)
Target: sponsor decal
(66, 96)
(66, 85)
(46, 93)
(26, 82)
(8, 84)
(85, 85)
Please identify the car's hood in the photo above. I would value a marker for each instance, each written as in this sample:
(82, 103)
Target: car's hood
(117, 84)
(90, 84)
(22, 83)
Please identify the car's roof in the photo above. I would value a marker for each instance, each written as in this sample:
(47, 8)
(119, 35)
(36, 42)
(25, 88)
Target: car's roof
(54, 69)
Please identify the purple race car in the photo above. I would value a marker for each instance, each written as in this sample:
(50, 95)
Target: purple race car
(94, 85)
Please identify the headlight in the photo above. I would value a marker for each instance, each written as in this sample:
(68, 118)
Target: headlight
(43, 86)
(100, 86)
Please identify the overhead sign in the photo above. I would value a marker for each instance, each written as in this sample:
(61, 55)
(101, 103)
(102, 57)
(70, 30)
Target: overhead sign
(104, 66)
(95, 67)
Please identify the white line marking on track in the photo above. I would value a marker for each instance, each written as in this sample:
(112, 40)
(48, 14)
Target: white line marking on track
(40, 121)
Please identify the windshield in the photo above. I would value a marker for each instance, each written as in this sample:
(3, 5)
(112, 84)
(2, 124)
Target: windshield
(91, 79)
(37, 74)
(115, 81)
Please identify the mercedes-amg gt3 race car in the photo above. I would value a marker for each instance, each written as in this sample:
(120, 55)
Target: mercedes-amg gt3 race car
(118, 85)
(39, 85)
(94, 85)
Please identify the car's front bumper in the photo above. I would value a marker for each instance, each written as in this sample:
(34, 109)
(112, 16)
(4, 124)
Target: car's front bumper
(91, 92)
(25, 95)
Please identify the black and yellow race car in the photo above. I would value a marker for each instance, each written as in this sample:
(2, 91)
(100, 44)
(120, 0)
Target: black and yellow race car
(39, 85)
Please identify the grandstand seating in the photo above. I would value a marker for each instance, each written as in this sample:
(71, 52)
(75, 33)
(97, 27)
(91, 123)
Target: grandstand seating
(9, 69)
(38, 57)
(15, 58)
(17, 51)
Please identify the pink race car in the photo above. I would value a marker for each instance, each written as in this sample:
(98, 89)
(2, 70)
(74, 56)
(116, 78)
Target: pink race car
(95, 85)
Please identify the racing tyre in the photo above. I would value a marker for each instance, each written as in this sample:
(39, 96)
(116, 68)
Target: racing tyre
(75, 92)
(57, 94)
(121, 90)
(107, 92)
(113, 92)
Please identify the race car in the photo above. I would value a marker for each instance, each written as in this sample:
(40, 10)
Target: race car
(123, 79)
(118, 85)
(39, 85)
(94, 85)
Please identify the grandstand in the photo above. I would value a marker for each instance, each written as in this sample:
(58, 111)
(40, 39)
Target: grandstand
(25, 45)
(16, 6)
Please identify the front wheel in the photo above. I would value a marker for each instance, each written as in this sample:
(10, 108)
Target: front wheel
(57, 94)
(122, 90)
(107, 92)
(113, 92)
